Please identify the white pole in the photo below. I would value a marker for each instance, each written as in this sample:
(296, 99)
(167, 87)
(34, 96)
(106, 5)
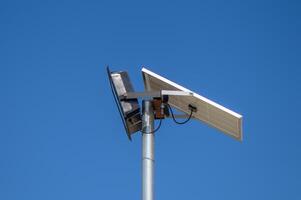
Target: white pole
(148, 160)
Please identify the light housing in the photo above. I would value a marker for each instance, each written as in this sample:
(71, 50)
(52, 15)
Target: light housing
(129, 109)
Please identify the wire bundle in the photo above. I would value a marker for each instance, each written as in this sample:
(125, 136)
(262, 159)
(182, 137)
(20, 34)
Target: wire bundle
(174, 119)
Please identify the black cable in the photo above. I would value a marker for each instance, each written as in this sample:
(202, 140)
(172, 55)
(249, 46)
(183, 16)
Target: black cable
(174, 119)
(173, 116)
(159, 126)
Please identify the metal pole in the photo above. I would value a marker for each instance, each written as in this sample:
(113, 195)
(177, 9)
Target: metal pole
(148, 160)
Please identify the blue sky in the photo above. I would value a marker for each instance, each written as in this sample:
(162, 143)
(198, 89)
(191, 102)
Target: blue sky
(60, 133)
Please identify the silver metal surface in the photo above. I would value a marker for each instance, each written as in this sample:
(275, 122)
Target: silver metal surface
(134, 95)
(176, 93)
(155, 94)
(129, 110)
(148, 160)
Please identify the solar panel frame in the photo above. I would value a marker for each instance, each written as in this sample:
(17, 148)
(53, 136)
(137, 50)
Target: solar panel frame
(208, 111)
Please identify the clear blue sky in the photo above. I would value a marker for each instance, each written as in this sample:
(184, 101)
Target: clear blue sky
(60, 132)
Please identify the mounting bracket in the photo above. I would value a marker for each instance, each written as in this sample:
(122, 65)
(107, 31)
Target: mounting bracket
(154, 94)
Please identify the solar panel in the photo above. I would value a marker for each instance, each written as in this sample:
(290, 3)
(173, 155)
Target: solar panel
(209, 112)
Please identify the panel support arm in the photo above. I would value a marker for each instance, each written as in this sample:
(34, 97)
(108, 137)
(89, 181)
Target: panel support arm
(155, 94)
